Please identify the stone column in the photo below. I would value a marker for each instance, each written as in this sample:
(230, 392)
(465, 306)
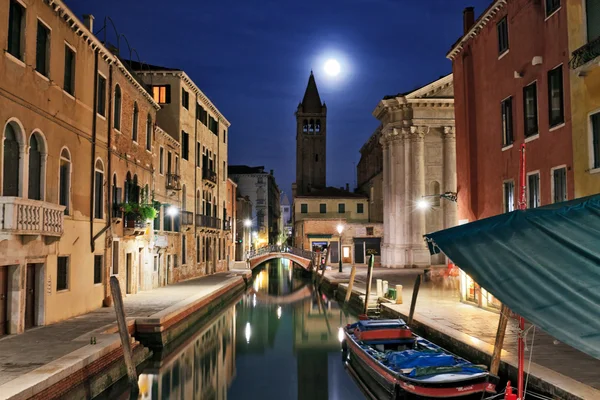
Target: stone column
(450, 185)
(419, 253)
(386, 201)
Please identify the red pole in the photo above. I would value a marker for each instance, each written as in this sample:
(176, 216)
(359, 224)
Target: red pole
(521, 342)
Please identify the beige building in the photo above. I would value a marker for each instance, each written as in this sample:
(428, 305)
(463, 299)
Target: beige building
(369, 172)
(419, 165)
(316, 219)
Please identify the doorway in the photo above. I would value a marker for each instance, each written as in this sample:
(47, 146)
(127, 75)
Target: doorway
(30, 297)
(346, 255)
(169, 263)
(128, 272)
(3, 301)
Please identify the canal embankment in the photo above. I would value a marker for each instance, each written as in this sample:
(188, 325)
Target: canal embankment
(556, 369)
(84, 354)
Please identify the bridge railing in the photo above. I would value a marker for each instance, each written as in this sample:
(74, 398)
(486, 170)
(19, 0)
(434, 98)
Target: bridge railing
(280, 249)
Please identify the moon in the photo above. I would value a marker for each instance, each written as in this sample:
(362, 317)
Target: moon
(332, 67)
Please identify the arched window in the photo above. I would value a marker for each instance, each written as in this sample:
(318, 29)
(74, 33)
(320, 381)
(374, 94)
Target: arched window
(127, 187)
(35, 167)
(198, 203)
(117, 120)
(149, 133)
(305, 126)
(435, 190)
(64, 180)
(311, 126)
(99, 190)
(183, 200)
(134, 131)
(318, 127)
(135, 190)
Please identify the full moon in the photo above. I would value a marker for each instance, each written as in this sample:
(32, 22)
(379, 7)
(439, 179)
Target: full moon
(332, 67)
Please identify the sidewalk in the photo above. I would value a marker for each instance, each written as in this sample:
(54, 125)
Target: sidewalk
(438, 308)
(40, 353)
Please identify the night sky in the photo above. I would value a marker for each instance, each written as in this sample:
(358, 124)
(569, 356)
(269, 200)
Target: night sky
(253, 62)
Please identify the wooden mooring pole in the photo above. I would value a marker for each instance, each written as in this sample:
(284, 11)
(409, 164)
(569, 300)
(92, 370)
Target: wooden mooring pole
(369, 278)
(350, 284)
(496, 356)
(413, 302)
(123, 332)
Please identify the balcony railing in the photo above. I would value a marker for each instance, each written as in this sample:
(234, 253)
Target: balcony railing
(209, 175)
(205, 221)
(187, 218)
(31, 217)
(173, 182)
(585, 54)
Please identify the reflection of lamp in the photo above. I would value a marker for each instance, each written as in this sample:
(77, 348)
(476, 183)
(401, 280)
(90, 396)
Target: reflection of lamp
(248, 332)
(279, 312)
(341, 333)
(340, 228)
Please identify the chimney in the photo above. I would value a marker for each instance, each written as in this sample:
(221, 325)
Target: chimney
(347, 187)
(271, 172)
(88, 21)
(468, 19)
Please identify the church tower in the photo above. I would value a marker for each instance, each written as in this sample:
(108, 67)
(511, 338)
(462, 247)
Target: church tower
(311, 134)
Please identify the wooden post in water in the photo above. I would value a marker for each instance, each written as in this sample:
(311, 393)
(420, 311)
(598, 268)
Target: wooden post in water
(123, 332)
(495, 365)
(369, 276)
(413, 302)
(350, 284)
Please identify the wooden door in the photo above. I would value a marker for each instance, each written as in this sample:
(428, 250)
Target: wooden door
(346, 255)
(30, 297)
(3, 301)
(128, 273)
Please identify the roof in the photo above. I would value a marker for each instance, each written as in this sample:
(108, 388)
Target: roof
(311, 103)
(333, 192)
(142, 66)
(244, 169)
(284, 200)
(417, 89)
(543, 263)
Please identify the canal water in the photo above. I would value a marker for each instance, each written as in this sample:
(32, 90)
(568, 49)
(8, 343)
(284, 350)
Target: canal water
(279, 341)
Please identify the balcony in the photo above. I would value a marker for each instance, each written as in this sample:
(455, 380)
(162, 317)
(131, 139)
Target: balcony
(187, 218)
(173, 182)
(585, 54)
(208, 222)
(31, 217)
(133, 226)
(209, 177)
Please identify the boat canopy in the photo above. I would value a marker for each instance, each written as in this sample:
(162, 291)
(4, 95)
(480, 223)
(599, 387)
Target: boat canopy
(543, 263)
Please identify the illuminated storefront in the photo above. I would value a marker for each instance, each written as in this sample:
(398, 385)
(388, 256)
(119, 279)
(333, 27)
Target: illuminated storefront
(471, 292)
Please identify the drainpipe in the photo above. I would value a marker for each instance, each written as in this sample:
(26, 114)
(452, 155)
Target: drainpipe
(93, 161)
(196, 170)
(219, 179)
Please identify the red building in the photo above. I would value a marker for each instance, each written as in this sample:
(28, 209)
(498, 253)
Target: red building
(511, 82)
(511, 85)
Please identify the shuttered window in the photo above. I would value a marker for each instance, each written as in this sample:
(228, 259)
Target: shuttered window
(592, 12)
(530, 109)
(507, 122)
(595, 121)
(502, 28)
(509, 196)
(533, 188)
(101, 107)
(62, 273)
(98, 261)
(69, 77)
(556, 112)
(559, 178)
(16, 22)
(185, 145)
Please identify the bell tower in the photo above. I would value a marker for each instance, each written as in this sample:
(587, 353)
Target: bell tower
(311, 134)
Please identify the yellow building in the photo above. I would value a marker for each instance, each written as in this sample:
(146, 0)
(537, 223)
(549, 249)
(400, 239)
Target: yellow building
(584, 46)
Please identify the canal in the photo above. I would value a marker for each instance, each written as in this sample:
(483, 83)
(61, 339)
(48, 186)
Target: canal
(279, 340)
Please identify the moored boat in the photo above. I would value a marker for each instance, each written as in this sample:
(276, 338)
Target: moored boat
(390, 362)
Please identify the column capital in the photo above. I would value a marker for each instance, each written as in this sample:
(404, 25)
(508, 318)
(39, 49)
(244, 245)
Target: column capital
(416, 132)
(449, 132)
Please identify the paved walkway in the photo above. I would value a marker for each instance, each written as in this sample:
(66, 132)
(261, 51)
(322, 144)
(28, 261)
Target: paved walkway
(20, 354)
(440, 302)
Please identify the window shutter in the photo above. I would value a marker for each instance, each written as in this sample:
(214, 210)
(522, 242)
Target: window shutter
(592, 10)
(168, 94)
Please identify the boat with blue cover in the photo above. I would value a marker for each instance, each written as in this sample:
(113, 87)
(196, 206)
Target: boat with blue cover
(389, 361)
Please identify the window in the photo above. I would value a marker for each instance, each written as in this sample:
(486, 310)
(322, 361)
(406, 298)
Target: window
(184, 250)
(502, 36)
(224, 136)
(551, 6)
(507, 122)
(101, 106)
(12, 160)
(99, 190)
(62, 273)
(155, 263)
(198, 154)
(161, 161)
(185, 99)
(149, 133)
(304, 208)
(35, 167)
(556, 111)
(201, 115)
(115, 258)
(213, 125)
(530, 109)
(69, 78)
(162, 94)
(595, 122)
(65, 180)
(42, 49)
(509, 196)
(117, 119)
(341, 208)
(592, 13)
(16, 31)
(185, 145)
(197, 249)
(360, 208)
(323, 208)
(134, 129)
(533, 190)
(559, 184)
(316, 158)
(97, 269)
(369, 231)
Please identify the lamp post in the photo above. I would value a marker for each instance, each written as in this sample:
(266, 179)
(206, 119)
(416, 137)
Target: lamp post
(340, 228)
(424, 204)
(247, 225)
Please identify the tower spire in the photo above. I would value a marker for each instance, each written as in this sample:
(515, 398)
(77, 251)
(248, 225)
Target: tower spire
(311, 103)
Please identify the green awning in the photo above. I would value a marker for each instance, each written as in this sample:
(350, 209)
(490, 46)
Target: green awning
(319, 236)
(543, 263)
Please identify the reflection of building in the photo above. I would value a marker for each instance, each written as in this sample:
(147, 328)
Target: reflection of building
(529, 102)
(369, 172)
(261, 189)
(286, 216)
(229, 224)
(256, 331)
(202, 367)
(243, 223)
(317, 215)
(417, 135)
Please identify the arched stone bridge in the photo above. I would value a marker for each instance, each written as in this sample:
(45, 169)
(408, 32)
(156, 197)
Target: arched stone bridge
(304, 258)
(303, 293)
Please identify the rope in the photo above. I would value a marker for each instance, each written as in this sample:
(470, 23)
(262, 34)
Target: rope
(530, 357)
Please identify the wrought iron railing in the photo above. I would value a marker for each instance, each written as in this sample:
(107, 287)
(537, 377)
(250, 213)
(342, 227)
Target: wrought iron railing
(173, 182)
(209, 175)
(585, 53)
(205, 221)
(280, 249)
(187, 218)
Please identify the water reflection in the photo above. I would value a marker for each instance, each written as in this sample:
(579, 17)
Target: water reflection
(279, 341)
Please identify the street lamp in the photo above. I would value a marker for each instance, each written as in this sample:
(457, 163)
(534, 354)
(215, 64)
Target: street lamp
(247, 223)
(172, 211)
(424, 204)
(340, 228)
